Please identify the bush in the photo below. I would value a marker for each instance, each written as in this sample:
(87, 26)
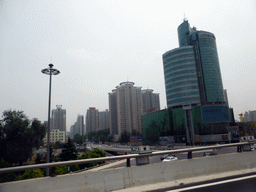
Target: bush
(61, 170)
(83, 156)
(74, 167)
(100, 152)
(96, 153)
(6, 177)
(32, 173)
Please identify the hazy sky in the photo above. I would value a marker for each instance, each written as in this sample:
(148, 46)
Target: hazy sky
(96, 44)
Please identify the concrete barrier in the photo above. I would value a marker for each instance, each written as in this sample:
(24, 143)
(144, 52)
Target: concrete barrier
(136, 176)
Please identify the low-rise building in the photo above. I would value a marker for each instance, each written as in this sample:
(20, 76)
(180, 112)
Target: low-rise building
(55, 135)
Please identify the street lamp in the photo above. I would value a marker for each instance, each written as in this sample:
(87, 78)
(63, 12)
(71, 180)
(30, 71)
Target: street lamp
(49, 71)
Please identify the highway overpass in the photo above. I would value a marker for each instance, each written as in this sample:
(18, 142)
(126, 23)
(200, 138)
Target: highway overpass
(128, 178)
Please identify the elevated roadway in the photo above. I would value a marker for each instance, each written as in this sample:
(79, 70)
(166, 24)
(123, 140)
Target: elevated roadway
(111, 149)
(139, 178)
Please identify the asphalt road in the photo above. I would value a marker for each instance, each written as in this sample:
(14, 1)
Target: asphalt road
(245, 183)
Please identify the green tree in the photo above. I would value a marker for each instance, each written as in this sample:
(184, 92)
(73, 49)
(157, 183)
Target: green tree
(79, 139)
(38, 132)
(38, 159)
(135, 132)
(2, 140)
(19, 136)
(125, 136)
(91, 135)
(69, 151)
(101, 135)
(58, 145)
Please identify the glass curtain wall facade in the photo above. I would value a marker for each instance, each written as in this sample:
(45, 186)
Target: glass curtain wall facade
(210, 67)
(194, 86)
(178, 124)
(192, 72)
(181, 77)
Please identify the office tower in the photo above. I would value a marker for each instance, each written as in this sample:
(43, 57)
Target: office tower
(92, 119)
(58, 120)
(192, 71)
(125, 106)
(150, 101)
(104, 121)
(196, 101)
(225, 97)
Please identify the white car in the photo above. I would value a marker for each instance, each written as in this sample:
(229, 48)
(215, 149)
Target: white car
(170, 158)
(253, 147)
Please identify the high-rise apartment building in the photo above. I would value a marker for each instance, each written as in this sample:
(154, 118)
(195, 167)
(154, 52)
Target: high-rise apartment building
(150, 101)
(92, 119)
(125, 106)
(192, 71)
(80, 124)
(104, 120)
(58, 120)
(78, 127)
(249, 116)
(113, 112)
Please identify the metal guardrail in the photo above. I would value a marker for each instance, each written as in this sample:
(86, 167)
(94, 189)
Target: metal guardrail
(128, 157)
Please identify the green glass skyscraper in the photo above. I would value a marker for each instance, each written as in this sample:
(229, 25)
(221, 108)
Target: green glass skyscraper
(192, 71)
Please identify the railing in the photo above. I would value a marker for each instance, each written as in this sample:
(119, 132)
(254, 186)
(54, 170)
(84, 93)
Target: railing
(239, 146)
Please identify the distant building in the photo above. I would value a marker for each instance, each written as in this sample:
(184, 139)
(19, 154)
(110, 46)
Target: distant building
(68, 134)
(55, 135)
(249, 116)
(150, 101)
(80, 122)
(113, 112)
(125, 106)
(92, 119)
(78, 127)
(104, 120)
(58, 120)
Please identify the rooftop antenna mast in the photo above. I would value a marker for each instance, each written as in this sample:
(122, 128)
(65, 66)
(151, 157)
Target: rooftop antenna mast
(184, 19)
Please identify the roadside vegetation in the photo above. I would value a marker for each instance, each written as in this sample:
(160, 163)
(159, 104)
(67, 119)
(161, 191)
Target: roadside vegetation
(19, 136)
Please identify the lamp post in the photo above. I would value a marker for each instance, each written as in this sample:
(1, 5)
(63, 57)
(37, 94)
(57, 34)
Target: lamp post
(49, 71)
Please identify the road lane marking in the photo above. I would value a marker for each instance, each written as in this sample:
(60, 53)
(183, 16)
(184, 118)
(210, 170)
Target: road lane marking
(214, 183)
